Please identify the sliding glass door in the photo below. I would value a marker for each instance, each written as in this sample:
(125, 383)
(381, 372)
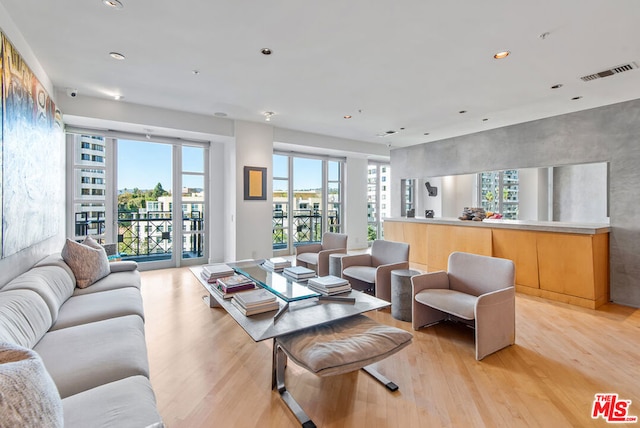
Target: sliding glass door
(145, 201)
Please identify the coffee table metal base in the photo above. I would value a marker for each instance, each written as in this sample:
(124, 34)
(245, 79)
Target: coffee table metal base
(210, 301)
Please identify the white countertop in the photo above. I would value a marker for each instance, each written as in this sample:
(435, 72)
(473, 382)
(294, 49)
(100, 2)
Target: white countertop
(541, 226)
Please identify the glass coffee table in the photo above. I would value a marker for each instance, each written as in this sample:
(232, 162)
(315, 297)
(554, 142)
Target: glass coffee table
(300, 307)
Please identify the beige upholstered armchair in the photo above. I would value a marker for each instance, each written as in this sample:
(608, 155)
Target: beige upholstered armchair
(477, 290)
(316, 256)
(373, 271)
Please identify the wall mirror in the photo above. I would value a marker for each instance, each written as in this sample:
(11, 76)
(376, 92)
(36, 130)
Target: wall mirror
(564, 193)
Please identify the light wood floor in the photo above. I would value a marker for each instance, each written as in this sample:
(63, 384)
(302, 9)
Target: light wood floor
(207, 372)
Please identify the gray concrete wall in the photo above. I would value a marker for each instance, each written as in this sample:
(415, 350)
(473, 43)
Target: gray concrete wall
(580, 193)
(610, 133)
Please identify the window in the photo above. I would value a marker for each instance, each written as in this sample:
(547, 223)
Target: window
(407, 187)
(307, 199)
(376, 192)
(498, 192)
(127, 194)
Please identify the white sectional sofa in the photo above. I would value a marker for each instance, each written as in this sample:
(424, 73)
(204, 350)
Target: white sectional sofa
(91, 342)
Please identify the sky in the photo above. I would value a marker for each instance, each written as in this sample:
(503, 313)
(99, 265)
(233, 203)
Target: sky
(144, 164)
(307, 173)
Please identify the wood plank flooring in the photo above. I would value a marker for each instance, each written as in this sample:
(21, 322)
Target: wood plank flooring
(207, 372)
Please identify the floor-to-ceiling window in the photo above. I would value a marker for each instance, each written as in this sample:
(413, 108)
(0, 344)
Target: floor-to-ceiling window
(145, 200)
(280, 202)
(147, 196)
(307, 199)
(378, 199)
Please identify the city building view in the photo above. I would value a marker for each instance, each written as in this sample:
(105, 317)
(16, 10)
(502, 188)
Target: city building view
(303, 208)
(145, 217)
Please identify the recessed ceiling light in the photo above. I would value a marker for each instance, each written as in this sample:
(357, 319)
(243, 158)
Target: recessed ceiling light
(267, 115)
(426, 133)
(116, 55)
(115, 4)
(558, 86)
(390, 132)
(195, 72)
(501, 55)
(485, 119)
(576, 98)
(462, 111)
(347, 116)
(220, 114)
(118, 97)
(266, 51)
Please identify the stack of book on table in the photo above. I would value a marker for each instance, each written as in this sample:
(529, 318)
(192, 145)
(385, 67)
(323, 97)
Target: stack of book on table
(329, 285)
(255, 302)
(276, 264)
(298, 273)
(212, 272)
(234, 283)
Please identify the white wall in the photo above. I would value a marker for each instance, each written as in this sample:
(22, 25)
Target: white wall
(253, 218)
(355, 216)
(15, 36)
(218, 207)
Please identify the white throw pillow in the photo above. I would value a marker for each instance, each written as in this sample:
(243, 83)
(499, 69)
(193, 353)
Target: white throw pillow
(28, 396)
(87, 264)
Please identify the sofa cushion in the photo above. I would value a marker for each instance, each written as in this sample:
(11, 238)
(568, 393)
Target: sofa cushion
(57, 260)
(93, 307)
(452, 302)
(28, 396)
(85, 356)
(344, 345)
(363, 273)
(126, 403)
(88, 264)
(52, 283)
(113, 281)
(24, 317)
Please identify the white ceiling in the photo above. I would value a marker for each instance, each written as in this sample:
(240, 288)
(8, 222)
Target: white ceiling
(411, 64)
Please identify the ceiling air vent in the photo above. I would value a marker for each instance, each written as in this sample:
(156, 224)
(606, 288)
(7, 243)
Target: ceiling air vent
(610, 72)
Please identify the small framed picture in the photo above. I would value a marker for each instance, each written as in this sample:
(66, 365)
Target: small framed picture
(255, 183)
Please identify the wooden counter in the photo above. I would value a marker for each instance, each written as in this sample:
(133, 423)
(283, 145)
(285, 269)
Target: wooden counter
(566, 262)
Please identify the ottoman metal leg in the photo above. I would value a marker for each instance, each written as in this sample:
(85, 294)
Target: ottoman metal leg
(381, 378)
(277, 381)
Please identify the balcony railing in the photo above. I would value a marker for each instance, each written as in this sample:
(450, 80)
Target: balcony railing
(307, 227)
(148, 236)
